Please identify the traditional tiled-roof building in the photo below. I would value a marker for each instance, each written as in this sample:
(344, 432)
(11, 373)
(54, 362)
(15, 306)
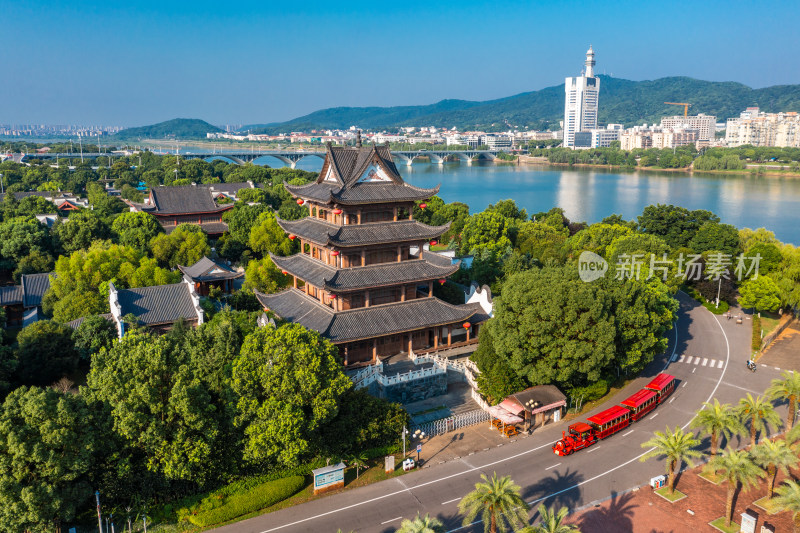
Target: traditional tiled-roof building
(157, 307)
(207, 273)
(364, 278)
(23, 302)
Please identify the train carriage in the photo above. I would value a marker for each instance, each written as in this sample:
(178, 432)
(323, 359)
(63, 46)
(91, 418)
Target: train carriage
(663, 385)
(641, 403)
(610, 421)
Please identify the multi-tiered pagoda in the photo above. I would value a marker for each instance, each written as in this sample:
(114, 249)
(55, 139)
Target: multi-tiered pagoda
(364, 278)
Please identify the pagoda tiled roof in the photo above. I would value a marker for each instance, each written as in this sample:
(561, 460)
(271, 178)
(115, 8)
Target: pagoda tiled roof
(325, 233)
(183, 200)
(366, 322)
(159, 304)
(209, 270)
(335, 279)
(345, 166)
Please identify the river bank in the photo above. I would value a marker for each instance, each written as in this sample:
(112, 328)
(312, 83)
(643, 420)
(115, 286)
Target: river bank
(751, 170)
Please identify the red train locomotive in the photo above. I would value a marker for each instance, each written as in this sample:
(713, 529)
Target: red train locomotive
(604, 424)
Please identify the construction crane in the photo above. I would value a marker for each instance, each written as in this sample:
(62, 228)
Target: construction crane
(684, 104)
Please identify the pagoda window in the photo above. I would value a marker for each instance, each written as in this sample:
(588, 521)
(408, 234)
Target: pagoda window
(402, 213)
(377, 216)
(352, 219)
(384, 296)
(323, 214)
(314, 212)
(354, 301)
(381, 256)
(352, 260)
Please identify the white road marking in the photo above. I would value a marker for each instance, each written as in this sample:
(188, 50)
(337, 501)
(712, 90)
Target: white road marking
(683, 357)
(670, 400)
(451, 501)
(696, 360)
(392, 520)
(652, 417)
(689, 360)
(693, 370)
(719, 364)
(684, 384)
(593, 449)
(628, 433)
(705, 361)
(549, 467)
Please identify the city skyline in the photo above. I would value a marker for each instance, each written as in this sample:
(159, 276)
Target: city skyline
(147, 62)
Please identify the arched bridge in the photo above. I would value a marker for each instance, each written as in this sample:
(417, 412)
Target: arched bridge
(289, 157)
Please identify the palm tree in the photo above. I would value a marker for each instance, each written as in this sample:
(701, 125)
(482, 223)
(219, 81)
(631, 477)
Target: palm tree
(772, 456)
(551, 522)
(421, 524)
(759, 413)
(788, 499)
(787, 388)
(358, 460)
(499, 503)
(676, 446)
(718, 421)
(737, 467)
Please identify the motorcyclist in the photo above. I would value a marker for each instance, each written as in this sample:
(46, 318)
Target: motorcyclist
(751, 365)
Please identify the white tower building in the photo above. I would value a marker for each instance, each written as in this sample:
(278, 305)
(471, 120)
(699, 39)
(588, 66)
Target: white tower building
(580, 106)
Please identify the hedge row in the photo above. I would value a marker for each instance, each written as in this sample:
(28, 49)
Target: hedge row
(756, 343)
(259, 497)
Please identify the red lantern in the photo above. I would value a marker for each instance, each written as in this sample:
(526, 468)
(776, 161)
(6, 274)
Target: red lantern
(333, 296)
(300, 201)
(292, 237)
(284, 272)
(337, 211)
(466, 325)
(434, 243)
(442, 281)
(423, 206)
(335, 253)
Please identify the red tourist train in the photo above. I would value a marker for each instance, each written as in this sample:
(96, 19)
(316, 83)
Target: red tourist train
(582, 434)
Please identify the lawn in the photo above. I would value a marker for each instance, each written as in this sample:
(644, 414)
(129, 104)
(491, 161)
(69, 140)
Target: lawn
(769, 321)
(719, 524)
(671, 497)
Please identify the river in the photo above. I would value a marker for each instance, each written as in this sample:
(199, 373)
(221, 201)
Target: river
(592, 194)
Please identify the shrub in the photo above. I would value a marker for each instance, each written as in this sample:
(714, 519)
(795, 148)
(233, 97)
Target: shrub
(259, 497)
(589, 393)
(756, 343)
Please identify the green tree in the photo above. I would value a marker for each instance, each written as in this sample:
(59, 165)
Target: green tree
(8, 367)
(760, 293)
(717, 237)
(788, 389)
(487, 231)
(788, 499)
(759, 414)
(289, 383)
(769, 256)
(252, 196)
(676, 446)
(498, 502)
(136, 229)
(750, 238)
(737, 468)
(597, 237)
(266, 236)
(79, 231)
(20, 237)
(35, 262)
(93, 334)
(421, 524)
(642, 244)
(497, 379)
(262, 275)
(542, 241)
(676, 225)
(80, 286)
(158, 405)
(552, 521)
(717, 421)
(45, 352)
(50, 443)
(185, 245)
(774, 456)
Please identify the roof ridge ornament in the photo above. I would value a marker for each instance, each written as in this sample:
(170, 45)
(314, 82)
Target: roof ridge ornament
(358, 138)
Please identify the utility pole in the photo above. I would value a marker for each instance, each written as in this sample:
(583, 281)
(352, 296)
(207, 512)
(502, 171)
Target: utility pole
(99, 516)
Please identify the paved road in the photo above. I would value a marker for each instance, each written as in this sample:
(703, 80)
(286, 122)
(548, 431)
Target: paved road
(707, 354)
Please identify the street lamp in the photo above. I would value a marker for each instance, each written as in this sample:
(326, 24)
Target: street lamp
(530, 405)
(404, 433)
(419, 434)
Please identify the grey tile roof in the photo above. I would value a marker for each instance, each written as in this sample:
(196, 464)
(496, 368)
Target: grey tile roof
(325, 233)
(348, 164)
(75, 324)
(367, 322)
(11, 295)
(33, 288)
(160, 304)
(343, 279)
(208, 270)
(182, 200)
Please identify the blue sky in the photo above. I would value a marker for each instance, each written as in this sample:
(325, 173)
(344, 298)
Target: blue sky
(133, 63)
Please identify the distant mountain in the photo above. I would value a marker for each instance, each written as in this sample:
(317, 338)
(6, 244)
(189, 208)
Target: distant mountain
(621, 101)
(181, 128)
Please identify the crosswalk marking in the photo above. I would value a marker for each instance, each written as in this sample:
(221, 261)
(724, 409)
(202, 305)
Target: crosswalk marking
(689, 360)
(682, 359)
(696, 360)
(719, 364)
(701, 361)
(705, 361)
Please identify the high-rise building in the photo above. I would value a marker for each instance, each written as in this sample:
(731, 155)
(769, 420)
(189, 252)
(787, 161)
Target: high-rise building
(706, 125)
(764, 129)
(580, 106)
